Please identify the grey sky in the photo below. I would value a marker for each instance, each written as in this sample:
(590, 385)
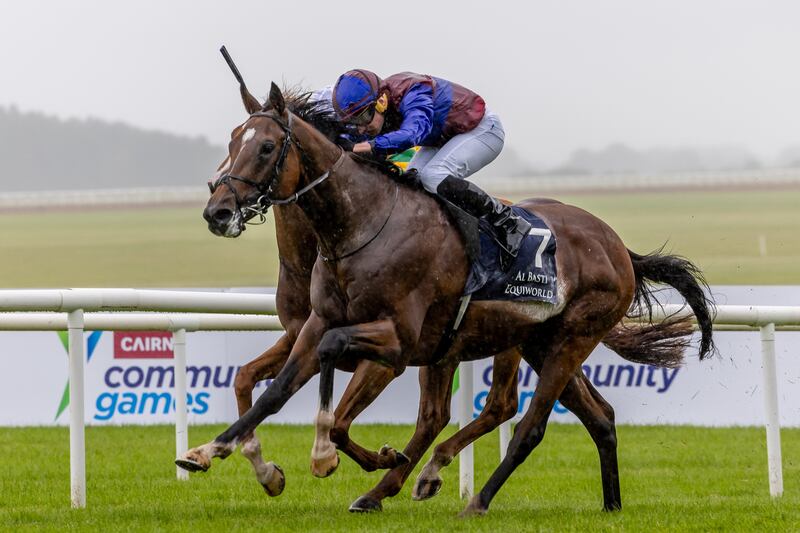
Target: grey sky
(561, 74)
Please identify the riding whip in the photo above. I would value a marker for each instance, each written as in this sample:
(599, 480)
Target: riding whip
(232, 65)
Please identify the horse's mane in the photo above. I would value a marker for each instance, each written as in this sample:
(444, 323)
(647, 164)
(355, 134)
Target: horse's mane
(320, 116)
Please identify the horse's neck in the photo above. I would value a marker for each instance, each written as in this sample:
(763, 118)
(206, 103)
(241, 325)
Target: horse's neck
(297, 243)
(347, 206)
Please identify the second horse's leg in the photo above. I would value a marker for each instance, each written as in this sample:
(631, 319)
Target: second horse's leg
(501, 405)
(435, 386)
(368, 381)
(265, 366)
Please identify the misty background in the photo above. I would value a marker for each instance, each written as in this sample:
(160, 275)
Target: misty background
(105, 95)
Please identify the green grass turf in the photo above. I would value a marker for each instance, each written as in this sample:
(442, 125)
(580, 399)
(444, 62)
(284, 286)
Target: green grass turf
(171, 247)
(719, 231)
(673, 478)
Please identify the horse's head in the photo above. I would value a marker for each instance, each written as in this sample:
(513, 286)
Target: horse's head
(261, 166)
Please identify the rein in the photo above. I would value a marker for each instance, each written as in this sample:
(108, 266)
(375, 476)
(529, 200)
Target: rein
(353, 252)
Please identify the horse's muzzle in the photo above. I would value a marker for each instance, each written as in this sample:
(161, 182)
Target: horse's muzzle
(223, 222)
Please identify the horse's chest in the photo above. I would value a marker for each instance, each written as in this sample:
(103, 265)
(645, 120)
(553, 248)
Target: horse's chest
(340, 302)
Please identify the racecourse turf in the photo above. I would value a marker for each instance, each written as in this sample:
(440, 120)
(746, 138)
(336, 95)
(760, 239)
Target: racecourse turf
(672, 478)
(736, 237)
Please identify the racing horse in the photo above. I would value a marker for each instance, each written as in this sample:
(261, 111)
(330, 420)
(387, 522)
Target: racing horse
(297, 252)
(501, 404)
(297, 249)
(390, 272)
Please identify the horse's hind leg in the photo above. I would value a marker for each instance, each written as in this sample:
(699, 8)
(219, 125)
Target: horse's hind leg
(501, 405)
(597, 415)
(570, 347)
(267, 365)
(435, 384)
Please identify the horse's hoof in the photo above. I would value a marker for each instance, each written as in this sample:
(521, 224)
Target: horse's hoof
(277, 481)
(366, 504)
(191, 466)
(395, 458)
(325, 466)
(426, 488)
(194, 460)
(473, 508)
(612, 507)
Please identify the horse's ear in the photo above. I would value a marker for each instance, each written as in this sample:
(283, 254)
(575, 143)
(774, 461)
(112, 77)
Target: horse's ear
(251, 103)
(276, 99)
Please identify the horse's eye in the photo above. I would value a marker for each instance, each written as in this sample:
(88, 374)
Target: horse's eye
(267, 148)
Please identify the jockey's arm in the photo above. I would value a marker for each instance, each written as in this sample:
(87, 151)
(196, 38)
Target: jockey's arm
(416, 108)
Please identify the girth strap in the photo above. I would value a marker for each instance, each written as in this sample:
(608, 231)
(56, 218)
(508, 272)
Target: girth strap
(446, 342)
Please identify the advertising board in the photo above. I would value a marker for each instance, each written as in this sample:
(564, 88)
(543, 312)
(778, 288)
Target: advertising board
(130, 379)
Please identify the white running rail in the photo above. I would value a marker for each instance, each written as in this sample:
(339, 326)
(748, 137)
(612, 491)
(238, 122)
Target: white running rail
(183, 311)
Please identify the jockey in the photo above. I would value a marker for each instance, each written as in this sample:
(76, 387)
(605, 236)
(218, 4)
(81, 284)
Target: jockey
(457, 134)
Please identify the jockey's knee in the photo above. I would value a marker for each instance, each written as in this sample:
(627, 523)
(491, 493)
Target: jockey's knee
(430, 181)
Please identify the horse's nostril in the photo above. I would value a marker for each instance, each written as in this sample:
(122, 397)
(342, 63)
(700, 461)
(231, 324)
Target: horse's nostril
(218, 217)
(222, 216)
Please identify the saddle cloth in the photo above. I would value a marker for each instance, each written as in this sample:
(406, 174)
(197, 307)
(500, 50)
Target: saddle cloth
(531, 277)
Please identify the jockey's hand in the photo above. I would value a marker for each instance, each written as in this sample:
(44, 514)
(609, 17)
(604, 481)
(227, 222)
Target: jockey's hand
(345, 143)
(362, 148)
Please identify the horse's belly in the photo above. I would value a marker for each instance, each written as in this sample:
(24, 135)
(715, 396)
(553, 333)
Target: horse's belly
(491, 327)
(537, 312)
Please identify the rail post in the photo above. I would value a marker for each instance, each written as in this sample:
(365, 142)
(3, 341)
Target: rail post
(181, 415)
(77, 449)
(505, 438)
(773, 426)
(466, 459)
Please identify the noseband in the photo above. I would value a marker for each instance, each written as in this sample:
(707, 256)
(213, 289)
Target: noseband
(260, 206)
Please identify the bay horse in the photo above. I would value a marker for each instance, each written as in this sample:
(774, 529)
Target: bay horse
(297, 247)
(387, 280)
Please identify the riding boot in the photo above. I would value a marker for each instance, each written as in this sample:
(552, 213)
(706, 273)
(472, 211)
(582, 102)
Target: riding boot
(509, 229)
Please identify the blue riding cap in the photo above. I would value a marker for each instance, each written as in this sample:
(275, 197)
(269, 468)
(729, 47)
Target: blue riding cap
(355, 90)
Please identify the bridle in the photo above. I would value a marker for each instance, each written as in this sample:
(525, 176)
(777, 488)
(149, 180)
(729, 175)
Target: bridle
(260, 206)
(265, 200)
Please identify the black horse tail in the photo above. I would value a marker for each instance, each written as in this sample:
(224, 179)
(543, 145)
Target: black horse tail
(664, 343)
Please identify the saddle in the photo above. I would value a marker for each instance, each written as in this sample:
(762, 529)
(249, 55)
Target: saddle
(532, 275)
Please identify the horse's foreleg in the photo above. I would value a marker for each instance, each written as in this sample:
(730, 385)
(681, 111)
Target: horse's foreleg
(376, 341)
(301, 366)
(435, 385)
(368, 381)
(265, 366)
(501, 405)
